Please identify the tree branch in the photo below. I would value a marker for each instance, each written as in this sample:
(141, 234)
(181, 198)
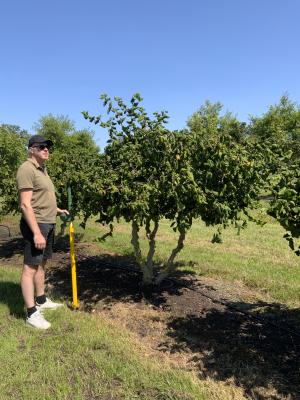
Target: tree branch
(152, 243)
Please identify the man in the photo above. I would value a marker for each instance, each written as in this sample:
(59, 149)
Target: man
(39, 210)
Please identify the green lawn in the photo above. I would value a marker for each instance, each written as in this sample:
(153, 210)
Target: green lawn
(80, 357)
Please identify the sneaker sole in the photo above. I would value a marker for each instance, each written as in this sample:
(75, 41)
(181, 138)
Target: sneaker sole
(36, 327)
(41, 309)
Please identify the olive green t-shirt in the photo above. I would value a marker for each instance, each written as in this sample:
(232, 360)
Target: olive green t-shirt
(33, 177)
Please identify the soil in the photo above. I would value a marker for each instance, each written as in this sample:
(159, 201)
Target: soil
(217, 330)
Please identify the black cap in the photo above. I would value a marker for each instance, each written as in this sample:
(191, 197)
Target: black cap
(37, 139)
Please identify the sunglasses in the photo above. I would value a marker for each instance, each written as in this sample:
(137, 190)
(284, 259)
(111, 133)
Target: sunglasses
(41, 147)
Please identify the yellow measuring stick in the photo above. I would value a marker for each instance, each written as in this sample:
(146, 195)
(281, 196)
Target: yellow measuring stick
(73, 267)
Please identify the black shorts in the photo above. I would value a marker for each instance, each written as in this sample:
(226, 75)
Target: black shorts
(32, 255)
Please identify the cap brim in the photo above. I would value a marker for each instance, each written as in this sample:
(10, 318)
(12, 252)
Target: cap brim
(49, 143)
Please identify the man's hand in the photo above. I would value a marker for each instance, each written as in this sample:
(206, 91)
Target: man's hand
(60, 211)
(39, 241)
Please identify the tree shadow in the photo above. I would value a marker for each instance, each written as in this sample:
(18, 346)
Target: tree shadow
(108, 279)
(14, 246)
(11, 295)
(62, 241)
(258, 354)
(11, 247)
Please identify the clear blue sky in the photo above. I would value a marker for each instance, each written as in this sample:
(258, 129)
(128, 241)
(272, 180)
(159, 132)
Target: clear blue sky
(58, 56)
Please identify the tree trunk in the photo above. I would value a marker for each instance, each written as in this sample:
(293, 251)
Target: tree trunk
(147, 273)
(152, 243)
(170, 263)
(136, 242)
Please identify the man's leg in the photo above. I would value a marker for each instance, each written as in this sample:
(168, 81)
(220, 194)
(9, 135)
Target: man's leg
(39, 280)
(42, 302)
(32, 258)
(34, 318)
(27, 285)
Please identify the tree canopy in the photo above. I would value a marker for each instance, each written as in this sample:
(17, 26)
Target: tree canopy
(13, 142)
(280, 125)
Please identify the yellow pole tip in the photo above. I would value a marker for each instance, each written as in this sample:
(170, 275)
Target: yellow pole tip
(72, 306)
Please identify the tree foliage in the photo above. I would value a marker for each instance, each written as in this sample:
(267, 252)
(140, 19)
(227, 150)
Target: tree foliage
(56, 128)
(285, 205)
(208, 120)
(280, 125)
(74, 160)
(13, 142)
(227, 165)
(278, 131)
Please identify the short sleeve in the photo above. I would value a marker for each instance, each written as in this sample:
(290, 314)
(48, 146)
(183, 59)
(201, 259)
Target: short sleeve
(25, 177)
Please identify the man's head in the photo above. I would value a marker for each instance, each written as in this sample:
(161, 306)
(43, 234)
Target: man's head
(38, 147)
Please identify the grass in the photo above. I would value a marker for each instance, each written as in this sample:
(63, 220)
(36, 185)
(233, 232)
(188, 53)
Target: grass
(86, 356)
(81, 357)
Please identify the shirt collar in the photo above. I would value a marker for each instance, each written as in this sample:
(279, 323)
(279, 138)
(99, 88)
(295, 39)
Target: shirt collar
(36, 164)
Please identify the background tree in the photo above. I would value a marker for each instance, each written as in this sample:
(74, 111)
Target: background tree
(285, 205)
(13, 142)
(278, 131)
(279, 126)
(227, 165)
(208, 120)
(56, 128)
(75, 161)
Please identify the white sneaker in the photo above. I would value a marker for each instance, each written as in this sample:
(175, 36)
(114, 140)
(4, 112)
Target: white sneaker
(48, 305)
(37, 321)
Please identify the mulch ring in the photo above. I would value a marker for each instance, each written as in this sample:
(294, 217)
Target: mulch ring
(192, 323)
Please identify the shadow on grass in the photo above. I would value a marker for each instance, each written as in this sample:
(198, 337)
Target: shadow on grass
(259, 355)
(11, 247)
(11, 295)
